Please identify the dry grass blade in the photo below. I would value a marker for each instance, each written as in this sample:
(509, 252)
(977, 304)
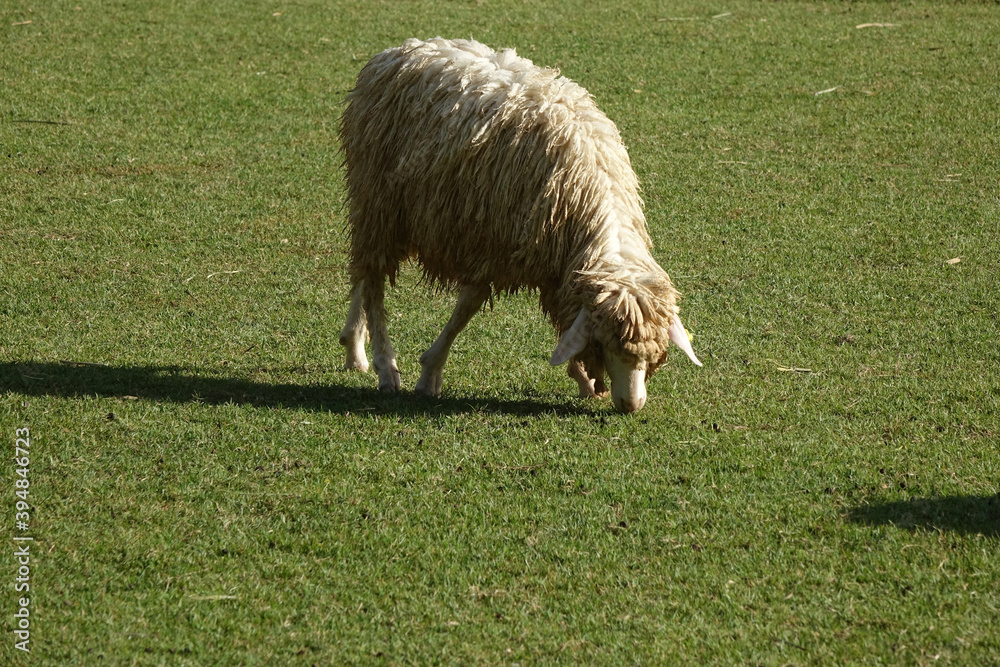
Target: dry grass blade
(68, 362)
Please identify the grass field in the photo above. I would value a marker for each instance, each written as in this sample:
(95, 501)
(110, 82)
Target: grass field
(210, 488)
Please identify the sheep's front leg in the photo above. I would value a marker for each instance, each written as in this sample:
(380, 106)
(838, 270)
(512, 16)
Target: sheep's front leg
(591, 384)
(470, 300)
(355, 332)
(589, 376)
(575, 370)
(383, 356)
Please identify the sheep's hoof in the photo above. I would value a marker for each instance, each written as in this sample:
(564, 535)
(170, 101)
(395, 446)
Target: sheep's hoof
(430, 384)
(389, 381)
(356, 365)
(389, 386)
(590, 393)
(355, 354)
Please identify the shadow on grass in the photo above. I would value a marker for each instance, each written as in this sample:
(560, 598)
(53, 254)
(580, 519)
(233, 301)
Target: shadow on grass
(969, 515)
(178, 384)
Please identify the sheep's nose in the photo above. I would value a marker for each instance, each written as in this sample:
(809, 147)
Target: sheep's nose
(630, 404)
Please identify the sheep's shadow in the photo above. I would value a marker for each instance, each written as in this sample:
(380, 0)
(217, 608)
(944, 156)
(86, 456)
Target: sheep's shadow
(178, 384)
(970, 515)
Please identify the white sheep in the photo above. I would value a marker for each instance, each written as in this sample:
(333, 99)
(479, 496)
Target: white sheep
(497, 175)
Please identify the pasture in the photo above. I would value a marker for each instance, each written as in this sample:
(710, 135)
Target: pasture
(208, 486)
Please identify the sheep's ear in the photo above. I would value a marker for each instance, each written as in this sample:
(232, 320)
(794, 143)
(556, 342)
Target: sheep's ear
(574, 340)
(679, 335)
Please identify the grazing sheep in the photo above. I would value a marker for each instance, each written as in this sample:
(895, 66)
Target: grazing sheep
(497, 175)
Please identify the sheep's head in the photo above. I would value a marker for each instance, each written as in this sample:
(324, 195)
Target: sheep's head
(625, 326)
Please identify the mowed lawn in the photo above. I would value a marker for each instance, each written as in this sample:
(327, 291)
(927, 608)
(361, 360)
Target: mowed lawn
(207, 486)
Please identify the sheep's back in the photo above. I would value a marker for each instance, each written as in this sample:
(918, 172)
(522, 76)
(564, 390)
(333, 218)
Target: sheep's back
(485, 167)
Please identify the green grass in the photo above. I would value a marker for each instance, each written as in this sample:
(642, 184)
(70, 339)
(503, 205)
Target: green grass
(220, 492)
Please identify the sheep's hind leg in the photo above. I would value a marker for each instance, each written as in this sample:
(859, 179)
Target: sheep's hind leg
(470, 300)
(383, 356)
(355, 332)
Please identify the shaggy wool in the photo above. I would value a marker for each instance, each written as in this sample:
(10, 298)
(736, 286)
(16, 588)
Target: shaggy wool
(491, 171)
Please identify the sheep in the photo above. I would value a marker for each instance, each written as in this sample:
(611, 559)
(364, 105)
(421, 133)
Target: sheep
(497, 175)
